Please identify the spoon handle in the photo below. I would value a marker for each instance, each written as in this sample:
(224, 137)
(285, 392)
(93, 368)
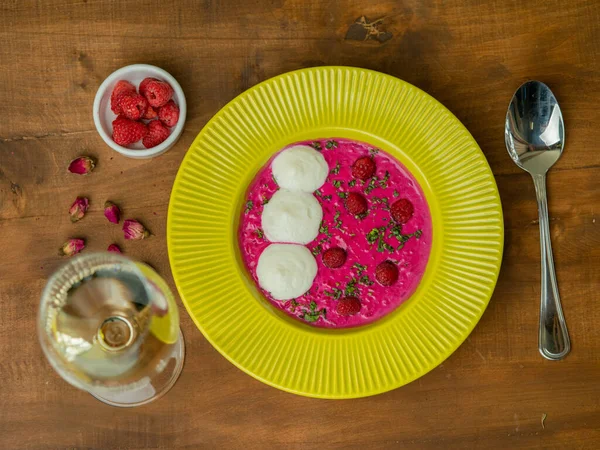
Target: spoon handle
(554, 343)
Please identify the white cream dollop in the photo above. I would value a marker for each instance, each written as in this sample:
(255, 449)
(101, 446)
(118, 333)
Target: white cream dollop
(300, 168)
(286, 271)
(291, 217)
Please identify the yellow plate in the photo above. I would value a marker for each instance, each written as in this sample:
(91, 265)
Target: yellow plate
(341, 102)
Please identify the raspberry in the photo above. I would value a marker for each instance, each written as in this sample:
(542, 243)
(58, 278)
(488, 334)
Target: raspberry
(150, 113)
(127, 131)
(356, 204)
(144, 84)
(157, 133)
(348, 306)
(156, 92)
(334, 257)
(402, 210)
(133, 105)
(121, 88)
(363, 168)
(169, 114)
(386, 273)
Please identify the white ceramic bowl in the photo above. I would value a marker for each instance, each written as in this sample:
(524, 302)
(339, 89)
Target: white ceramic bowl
(103, 116)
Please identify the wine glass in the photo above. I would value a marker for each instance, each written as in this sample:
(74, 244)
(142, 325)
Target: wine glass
(110, 326)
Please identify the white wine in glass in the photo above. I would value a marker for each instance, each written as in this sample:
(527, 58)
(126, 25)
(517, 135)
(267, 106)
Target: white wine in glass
(110, 326)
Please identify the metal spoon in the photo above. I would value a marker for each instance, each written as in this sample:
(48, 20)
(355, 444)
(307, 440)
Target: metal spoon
(535, 137)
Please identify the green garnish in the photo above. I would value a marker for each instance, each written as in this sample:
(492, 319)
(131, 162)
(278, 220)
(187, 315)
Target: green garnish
(373, 151)
(351, 289)
(331, 144)
(249, 206)
(265, 200)
(384, 180)
(336, 220)
(316, 145)
(337, 183)
(342, 195)
(327, 197)
(316, 250)
(336, 169)
(335, 293)
(351, 183)
(365, 280)
(359, 268)
(396, 193)
(372, 185)
(318, 193)
(324, 229)
(259, 233)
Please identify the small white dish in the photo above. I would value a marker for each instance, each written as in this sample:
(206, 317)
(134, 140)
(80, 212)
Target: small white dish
(103, 116)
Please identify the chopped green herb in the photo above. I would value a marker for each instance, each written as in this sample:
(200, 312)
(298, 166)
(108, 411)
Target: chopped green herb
(324, 229)
(373, 151)
(351, 183)
(337, 183)
(342, 195)
(265, 200)
(383, 246)
(316, 250)
(372, 185)
(336, 169)
(249, 206)
(396, 193)
(273, 178)
(313, 316)
(335, 293)
(351, 289)
(365, 280)
(313, 306)
(373, 235)
(418, 233)
(327, 197)
(384, 180)
(318, 193)
(336, 220)
(331, 144)
(316, 145)
(293, 304)
(359, 268)
(259, 233)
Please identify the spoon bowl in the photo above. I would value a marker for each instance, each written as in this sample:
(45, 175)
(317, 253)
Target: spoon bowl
(534, 133)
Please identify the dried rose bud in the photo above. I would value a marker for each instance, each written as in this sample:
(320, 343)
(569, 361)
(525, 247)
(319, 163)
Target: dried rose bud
(112, 212)
(134, 230)
(114, 248)
(82, 165)
(79, 208)
(72, 247)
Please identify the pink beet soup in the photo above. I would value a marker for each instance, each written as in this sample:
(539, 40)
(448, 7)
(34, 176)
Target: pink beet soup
(367, 240)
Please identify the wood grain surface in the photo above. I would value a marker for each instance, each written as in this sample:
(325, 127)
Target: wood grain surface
(469, 54)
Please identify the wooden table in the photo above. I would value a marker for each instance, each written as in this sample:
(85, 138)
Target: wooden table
(469, 54)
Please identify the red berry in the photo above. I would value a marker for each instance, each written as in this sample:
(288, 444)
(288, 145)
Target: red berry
(121, 88)
(157, 92)
(402, 210)
(127, 131)
(150, 113)
(386, 273)
(348, 306)
(133, 105)
(356, 204)
(157, 133)
(334, 257)
(363, 168)
(144, 84)
(169, 114)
